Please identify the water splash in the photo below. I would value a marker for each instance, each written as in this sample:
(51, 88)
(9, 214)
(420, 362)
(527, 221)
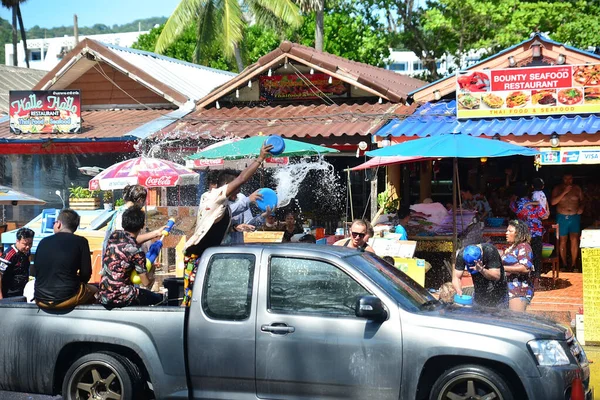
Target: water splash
(288, 180)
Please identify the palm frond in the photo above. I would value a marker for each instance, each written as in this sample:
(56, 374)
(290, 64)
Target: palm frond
(310, 5)
(187, 12)
(285, 10)
(265, 18)
(233, 26)
(207, 30)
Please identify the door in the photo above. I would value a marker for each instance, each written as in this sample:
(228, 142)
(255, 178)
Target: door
(221, 328)
(309, 342)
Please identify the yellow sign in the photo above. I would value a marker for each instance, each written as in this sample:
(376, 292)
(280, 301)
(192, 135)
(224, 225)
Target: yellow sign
(591, 294)
(413, 267)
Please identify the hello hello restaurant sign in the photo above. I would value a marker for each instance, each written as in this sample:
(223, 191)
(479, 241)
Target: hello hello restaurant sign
(45, 111)
(565, 89)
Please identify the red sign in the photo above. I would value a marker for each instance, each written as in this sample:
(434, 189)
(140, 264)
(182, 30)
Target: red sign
(531, 78)
(45, 111)
(160, 181)
(301, 86)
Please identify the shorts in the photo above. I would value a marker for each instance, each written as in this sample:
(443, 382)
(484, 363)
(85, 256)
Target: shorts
(568, 224)
(85, 295)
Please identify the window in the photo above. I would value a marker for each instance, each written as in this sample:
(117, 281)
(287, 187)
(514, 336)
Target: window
(227, 290)
(417, 65)
(438, 64)
(398, 66)
(311, 287)
(35, 55)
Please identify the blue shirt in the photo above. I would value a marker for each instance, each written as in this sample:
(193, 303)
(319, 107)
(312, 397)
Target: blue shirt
(403, 235)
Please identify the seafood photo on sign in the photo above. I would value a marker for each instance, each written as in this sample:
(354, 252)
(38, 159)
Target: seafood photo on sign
(586, 75)
(570, 96)
(517, 99)
(476, 81)
(592, 95)
(468, 101)
(492, 100)
(544, 98)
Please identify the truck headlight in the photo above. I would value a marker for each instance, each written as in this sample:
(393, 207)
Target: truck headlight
(549, 352)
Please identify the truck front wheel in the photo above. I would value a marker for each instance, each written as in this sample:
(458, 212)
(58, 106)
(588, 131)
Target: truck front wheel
(100, 376)
(470, 382)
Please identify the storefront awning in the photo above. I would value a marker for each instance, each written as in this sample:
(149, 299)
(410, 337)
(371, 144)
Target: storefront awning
(384, 161)
(437, 118)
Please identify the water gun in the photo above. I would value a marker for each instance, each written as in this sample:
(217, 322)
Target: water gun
(153, 252)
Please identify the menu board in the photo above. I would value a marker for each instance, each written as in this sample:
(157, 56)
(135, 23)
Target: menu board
(565, 89)
(591, 294)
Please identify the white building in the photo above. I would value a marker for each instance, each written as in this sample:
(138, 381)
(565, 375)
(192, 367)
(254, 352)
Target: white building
(45, 54)
(407, 62)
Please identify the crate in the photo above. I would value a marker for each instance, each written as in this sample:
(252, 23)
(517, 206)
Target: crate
(263, 237)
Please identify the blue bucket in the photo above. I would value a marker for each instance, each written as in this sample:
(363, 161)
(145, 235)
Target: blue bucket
(277, 143)
(269, 199)
(463, 300)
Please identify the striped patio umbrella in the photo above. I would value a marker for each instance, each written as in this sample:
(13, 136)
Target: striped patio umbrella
(145, 171)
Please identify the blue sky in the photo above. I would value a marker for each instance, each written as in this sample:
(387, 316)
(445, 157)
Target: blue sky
(51, 13)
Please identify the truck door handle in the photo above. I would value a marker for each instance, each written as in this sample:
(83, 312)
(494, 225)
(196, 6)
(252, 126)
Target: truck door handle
(278, 328)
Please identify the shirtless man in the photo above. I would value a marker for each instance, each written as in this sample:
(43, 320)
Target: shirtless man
(568, 199)
(359, 232)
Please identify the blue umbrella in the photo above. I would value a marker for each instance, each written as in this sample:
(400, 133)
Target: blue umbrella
(453, 145)
(456, 146)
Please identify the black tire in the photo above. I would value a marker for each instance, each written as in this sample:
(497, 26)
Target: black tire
(105, 375)
(470, 381)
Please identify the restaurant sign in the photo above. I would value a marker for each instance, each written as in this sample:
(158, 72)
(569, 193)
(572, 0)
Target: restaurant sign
(309, 86)
(568, 156)
(45, 111)
(565, 89)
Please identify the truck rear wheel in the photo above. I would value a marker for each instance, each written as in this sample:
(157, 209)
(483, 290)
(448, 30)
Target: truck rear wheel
(470, 382)
(100, 376)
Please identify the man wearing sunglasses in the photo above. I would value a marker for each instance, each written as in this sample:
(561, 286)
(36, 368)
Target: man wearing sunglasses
(357, 240)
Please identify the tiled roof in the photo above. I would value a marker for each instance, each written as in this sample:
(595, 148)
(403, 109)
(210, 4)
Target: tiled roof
(16, 78)
(288, 121)
(384, 83)
(96, 124)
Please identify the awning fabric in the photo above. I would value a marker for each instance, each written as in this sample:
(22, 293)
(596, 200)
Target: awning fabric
(437, 118)
(383, 161)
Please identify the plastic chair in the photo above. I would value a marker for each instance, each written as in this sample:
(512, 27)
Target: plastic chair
(48, 218)
(554, 259)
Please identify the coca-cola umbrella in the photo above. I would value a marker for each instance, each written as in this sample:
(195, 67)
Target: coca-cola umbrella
(145, 171)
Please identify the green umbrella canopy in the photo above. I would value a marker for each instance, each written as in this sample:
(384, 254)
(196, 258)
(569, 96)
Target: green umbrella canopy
(250, 147)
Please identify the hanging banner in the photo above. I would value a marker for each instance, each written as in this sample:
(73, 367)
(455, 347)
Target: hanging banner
(45, 111)
(568, 156)
(219, 163)
(565, 89)
(307, 86)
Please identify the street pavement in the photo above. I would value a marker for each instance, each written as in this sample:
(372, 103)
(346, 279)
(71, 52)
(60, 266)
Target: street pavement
(25, 396)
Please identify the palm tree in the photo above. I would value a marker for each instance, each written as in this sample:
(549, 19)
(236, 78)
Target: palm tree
(318, 6)
(223, 22)
(15, 6)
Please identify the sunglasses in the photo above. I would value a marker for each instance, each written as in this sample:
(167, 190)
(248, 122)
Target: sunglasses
(358, 234)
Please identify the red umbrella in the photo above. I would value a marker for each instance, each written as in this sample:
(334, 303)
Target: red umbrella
(145, 171)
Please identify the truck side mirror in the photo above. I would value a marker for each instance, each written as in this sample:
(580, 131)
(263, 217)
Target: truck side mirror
(370, 307)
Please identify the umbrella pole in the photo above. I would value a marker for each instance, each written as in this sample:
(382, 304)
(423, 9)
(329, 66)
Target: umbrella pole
(454, 233)
(350, 194)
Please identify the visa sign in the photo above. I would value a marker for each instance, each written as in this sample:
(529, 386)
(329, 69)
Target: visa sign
(569, 156)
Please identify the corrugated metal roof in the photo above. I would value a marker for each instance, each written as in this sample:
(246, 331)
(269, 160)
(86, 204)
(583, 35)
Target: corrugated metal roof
(437, 118)
(193, 80)
(96, 124)
(288, 121)
(16, 78)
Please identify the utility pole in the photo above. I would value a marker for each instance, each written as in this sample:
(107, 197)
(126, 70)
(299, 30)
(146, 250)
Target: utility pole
(75, 30)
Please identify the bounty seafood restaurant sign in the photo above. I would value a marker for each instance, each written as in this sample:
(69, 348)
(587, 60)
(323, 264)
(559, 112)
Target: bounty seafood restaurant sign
(565, 89)
(308, 86)
(568, 156)
(45, 111)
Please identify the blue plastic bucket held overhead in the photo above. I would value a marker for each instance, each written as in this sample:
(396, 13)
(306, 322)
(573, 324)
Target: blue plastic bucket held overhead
(269, 199)
(277, 143)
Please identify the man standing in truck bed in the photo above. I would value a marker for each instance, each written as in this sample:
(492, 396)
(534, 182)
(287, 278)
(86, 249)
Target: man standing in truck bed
(214, 220)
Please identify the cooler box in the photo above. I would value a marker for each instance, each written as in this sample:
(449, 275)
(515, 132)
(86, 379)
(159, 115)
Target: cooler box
(413, 267)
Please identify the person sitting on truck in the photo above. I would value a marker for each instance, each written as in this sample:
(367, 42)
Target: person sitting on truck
(63, 266)
(122, 256)
(358, 232)
(133, 195)
(489, 280)
(214, 220)
(14, 265)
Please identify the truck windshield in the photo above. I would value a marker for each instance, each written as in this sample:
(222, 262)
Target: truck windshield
(408, 293)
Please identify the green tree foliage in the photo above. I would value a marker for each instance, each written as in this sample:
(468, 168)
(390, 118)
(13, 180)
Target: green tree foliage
(5, 37)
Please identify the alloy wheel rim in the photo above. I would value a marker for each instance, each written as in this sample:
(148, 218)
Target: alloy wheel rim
(470, 387)
(95, 380)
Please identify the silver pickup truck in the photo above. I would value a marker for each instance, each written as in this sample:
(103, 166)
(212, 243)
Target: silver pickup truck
(291, 322)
